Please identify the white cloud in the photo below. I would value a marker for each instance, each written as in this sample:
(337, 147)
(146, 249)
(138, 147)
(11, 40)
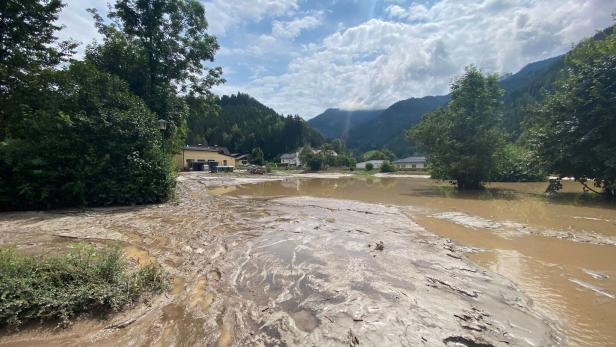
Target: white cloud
(223, 15)
(291, 29)
(78, 23)
(379, 62)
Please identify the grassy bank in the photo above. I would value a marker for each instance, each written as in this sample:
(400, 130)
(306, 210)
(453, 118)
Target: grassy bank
(56, 288)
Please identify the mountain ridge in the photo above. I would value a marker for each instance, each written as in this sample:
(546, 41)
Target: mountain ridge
(387, 129)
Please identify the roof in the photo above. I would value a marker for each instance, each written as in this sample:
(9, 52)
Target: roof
(239, 156)
(288, 156)
(220, 150)
(411, 160)
(372, 162)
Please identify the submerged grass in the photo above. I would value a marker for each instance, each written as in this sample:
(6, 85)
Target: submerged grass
(85, 280)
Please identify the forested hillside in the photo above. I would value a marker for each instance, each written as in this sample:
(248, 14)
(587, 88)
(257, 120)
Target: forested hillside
(387, 128)
(241, 123)
(525, 88)
(335, 123)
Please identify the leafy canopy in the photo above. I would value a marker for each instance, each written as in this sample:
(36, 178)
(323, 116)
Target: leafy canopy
(28, 48)
(462, 139)
(574, 131)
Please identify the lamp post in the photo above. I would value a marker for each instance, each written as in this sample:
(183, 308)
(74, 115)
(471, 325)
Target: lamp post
(162, 126)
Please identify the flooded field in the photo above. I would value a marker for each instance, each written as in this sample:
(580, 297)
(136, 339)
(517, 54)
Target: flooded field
(331, 260)
(560, 251)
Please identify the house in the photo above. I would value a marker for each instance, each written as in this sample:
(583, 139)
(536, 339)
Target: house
(411, 163)
(291, 159)
(375, 164)
(328, 152)
(196, 158)
(241, 159)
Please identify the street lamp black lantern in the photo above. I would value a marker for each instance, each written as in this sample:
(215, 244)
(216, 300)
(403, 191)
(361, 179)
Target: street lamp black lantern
(162, 125)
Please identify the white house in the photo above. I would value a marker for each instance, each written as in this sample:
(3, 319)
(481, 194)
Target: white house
(411, 163)
(375, 164)
(291, 159)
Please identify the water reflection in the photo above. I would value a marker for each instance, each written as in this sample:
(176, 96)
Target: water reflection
(552, 271)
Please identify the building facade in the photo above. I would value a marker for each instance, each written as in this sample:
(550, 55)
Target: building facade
(411, 163)
(291, 159)
(193, 157)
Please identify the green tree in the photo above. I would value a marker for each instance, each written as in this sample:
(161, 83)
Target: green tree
(339, 146)
(516, 163)
(315, 161)
(28, 50)
(256, 156)
(88, 142)
(159, 47)
(574, 130)
(387, 167)
(384, 154)
(462, 139)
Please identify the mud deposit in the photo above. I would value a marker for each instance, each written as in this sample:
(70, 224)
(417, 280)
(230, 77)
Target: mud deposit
(292, 270)
(559, 251)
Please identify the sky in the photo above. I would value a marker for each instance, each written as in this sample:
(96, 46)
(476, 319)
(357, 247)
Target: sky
(304, 56)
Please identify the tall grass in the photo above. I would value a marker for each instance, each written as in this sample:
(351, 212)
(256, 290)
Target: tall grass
(56, 288)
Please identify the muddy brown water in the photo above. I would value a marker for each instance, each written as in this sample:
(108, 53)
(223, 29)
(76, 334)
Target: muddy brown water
(561, 251)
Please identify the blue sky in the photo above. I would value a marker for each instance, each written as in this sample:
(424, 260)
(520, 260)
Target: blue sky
(303, 56)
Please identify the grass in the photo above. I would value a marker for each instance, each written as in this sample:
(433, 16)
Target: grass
(59, 287)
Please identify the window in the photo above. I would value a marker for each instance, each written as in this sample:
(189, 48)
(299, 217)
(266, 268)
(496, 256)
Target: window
(414, 166)
(224, 163)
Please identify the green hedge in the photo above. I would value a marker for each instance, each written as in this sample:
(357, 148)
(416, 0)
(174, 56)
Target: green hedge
(56, 288)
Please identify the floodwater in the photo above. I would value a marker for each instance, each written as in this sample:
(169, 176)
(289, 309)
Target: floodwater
(560, 251)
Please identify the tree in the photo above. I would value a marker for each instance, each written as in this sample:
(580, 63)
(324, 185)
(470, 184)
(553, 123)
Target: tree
(369, 167)
(388, 167)
(315, 161)
(574, 130)
(159, 47)
(28, 49)
(88, 142)
(256, 156)
(384, 154)
(462, 139)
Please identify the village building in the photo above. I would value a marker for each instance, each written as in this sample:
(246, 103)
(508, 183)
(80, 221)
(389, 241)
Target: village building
(197, 158)
(375, 164)
(291, 159)
(241, 159)
(411, 163)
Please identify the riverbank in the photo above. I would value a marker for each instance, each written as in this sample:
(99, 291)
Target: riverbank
(303, 270)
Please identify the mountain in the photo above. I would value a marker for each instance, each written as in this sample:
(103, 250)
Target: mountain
(386, 129)
(241, 123)
(335, 123)
(526, 87)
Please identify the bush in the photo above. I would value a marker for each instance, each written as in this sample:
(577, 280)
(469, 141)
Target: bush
(388, 167)
(59, 287)
(516, 164)
(315, 161)
(88, 142)
(369, 167)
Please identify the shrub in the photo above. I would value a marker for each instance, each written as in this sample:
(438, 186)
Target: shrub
(62, 286)
(515, 163)
(388, 167)
(369, 167)
(315, 161)
(89, 142)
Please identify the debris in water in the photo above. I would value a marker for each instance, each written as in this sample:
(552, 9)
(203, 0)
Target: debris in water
(353, 340)
(379, 246)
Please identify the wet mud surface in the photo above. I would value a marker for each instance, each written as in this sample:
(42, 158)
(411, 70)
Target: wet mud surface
(290, 269)
(559, 251)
